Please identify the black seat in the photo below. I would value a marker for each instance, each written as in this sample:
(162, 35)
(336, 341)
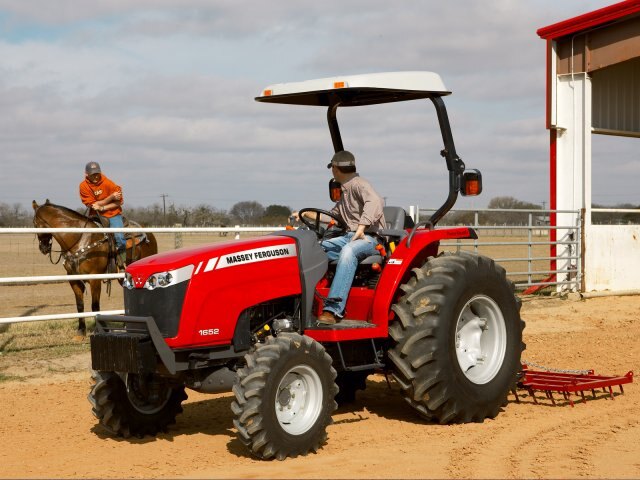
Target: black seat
(397, 221)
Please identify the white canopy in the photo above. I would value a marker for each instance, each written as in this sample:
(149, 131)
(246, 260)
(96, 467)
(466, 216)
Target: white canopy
(352, 90)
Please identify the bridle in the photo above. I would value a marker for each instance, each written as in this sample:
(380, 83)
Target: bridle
(45, 241)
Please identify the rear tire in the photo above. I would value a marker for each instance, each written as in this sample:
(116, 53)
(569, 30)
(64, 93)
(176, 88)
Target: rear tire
(134, 411)
(458, 339)
(285, 397)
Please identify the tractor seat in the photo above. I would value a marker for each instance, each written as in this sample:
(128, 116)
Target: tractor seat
(397, 221)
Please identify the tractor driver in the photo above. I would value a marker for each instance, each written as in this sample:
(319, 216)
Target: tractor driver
(104, 198)
(360, 207)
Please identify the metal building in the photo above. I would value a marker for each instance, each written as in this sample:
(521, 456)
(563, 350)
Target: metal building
(593, 87)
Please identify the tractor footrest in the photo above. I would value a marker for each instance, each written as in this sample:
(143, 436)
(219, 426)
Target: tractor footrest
(345, 325)
(568, 383)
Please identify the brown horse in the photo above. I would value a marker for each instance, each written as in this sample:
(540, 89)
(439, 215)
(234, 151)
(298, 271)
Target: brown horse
(84, 253)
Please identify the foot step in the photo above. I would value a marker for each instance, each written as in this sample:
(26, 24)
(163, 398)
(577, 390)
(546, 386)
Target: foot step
(344, 324)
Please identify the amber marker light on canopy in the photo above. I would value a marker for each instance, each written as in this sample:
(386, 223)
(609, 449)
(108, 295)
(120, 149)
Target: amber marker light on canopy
(339, 84)
(267, 93)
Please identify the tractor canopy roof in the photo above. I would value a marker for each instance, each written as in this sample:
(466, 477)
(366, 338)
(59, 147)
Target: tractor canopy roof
(356, 90)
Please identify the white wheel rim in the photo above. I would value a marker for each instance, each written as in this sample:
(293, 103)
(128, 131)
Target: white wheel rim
(481, 339)
(298, 401)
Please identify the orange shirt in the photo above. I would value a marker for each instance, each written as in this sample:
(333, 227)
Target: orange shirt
(90, 193)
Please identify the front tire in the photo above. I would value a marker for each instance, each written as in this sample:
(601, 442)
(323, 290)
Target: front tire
(458, 339)
(143, 406)
(285, 397)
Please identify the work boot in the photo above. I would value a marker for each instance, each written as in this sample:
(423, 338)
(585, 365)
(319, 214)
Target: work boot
(328, 318)
(121, 259)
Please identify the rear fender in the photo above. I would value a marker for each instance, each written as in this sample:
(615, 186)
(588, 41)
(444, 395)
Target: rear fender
(424, 244)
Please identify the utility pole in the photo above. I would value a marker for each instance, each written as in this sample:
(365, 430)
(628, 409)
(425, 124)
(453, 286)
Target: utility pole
(164, 208)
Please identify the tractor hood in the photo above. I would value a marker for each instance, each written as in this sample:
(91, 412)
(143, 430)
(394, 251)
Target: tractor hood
(186, 262)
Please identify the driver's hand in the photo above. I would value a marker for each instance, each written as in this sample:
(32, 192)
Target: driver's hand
(359, 233)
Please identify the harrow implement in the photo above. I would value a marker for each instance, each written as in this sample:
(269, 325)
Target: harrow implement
(568, 383)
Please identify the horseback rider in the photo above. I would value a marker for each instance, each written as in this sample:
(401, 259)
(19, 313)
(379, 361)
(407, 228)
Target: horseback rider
(104, 198)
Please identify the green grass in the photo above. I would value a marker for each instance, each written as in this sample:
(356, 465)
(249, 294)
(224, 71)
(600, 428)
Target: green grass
(26, 346)
(8, 378)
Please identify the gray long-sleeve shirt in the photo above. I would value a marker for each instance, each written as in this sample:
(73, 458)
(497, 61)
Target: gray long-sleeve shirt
(360, 204)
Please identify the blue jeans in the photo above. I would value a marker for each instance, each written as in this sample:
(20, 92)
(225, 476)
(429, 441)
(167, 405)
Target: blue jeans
(348, 254)
(116, 222)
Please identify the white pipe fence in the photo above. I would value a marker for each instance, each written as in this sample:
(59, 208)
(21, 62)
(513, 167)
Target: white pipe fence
(533, 230)
(30, 280)
(534, 226)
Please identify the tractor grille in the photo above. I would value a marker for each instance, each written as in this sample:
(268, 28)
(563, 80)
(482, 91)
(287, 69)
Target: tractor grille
(163, 304)
(132, 353)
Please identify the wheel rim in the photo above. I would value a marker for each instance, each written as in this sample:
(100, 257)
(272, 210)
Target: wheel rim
(298, 401)
(146, 403)
(481, 339)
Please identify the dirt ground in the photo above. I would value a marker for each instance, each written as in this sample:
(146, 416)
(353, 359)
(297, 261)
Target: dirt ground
(47, 429)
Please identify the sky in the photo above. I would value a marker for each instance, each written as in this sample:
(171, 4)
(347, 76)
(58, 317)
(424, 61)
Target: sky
(161, 94)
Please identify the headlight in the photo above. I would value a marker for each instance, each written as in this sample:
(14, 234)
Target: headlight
(128, 281)
(162, 279)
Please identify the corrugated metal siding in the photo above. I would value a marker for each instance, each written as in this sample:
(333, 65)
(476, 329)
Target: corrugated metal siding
(616, 99)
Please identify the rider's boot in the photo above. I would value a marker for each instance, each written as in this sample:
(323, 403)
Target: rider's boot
(121, 258)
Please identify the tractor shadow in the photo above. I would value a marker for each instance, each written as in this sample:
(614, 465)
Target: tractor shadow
(380, 399)
(206, 417)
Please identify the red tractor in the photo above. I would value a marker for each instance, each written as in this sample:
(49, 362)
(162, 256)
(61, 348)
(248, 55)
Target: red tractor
(241, 315)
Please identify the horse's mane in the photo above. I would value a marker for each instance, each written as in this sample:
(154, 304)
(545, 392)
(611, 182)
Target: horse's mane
(66, 210)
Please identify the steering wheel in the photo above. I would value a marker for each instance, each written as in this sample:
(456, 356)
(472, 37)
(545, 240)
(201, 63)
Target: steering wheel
(340, 226)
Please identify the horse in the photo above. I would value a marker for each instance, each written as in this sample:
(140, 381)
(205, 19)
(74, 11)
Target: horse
(84, 253)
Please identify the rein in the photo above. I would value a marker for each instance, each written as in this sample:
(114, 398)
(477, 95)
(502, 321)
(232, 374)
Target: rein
(51, 251)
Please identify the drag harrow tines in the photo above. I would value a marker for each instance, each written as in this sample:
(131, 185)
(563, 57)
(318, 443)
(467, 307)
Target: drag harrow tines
(567, 383)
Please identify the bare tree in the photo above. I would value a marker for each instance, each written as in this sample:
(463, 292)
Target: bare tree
(14, 215)
(247, 212)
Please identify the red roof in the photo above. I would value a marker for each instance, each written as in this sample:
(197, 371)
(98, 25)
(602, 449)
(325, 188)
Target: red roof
(590, 20)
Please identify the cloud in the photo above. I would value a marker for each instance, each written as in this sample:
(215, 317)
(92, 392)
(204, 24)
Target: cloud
(162, 94)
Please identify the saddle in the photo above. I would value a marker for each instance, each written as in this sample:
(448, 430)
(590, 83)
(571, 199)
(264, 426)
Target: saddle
(132, 239)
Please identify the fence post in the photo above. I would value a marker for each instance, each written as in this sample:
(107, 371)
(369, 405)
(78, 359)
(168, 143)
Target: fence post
(177, 239)
(476, 224)
(530, 249)
(580, 249)
(237, 237)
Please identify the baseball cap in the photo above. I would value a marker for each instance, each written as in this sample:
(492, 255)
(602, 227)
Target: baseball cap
(343, 159)
(91, 168)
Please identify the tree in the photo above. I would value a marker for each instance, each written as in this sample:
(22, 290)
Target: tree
(508, 218)
(247, 212)
(14, 215)
(511, 203)
(276, 215)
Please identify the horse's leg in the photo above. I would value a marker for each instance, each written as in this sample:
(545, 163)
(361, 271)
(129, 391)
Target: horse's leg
(78, 291)
(96, 289)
